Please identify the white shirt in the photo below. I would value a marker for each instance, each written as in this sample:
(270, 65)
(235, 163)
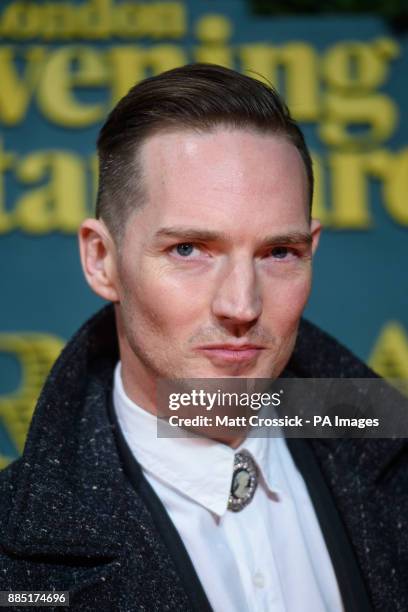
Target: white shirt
(270, 556)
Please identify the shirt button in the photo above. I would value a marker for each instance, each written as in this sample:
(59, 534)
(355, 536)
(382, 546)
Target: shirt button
(259, 580)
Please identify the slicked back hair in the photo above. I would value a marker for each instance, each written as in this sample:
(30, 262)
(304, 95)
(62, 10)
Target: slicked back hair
(198, 97)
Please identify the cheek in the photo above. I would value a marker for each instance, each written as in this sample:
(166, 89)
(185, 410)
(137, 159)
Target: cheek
(285, 302)
(162, 303)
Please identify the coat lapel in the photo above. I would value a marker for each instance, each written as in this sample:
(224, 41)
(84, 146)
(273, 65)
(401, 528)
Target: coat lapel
(162, 521)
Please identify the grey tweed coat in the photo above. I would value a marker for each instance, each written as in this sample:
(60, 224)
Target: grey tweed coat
(76, 513)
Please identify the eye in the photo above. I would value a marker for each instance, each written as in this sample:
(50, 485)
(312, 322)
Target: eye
(281, 252)
(186, 250)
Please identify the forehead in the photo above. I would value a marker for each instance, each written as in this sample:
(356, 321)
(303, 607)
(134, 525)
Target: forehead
(223, 177)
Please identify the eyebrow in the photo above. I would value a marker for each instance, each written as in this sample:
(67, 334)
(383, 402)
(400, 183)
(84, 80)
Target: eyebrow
(188, 234)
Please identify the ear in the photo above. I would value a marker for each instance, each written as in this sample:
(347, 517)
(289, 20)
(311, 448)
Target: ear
(98, 258)
(315, 229)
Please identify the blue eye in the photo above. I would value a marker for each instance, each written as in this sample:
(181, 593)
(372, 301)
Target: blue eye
(185, 249)
(280, 252)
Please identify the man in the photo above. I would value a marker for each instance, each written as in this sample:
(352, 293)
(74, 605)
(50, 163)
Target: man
(203, 242)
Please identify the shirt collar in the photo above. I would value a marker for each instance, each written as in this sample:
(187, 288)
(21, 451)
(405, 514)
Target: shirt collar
(265, 451)
(197, 467)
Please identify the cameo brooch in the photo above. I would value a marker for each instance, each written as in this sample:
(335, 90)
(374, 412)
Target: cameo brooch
(244, 481)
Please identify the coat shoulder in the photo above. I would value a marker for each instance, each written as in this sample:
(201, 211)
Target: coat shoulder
(8, 492)
(8, 479)
(318, 355)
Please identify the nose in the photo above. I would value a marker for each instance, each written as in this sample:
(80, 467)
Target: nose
(237, 301)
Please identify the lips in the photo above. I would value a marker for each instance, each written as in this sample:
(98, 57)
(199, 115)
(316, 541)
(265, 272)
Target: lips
(231, 353)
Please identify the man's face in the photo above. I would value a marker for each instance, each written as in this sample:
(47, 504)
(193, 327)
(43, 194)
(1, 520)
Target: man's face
(215, 270)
